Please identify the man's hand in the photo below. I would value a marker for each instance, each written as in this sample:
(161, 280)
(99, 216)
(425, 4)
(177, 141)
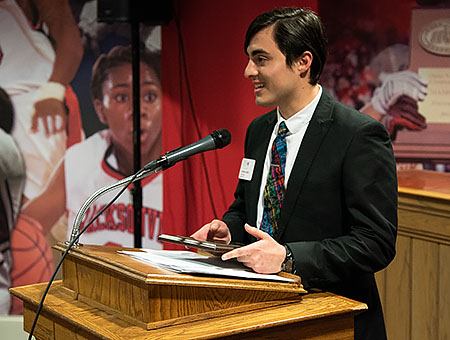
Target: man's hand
(264, 256)
(216, 230)
(52, 113)
(397, 84)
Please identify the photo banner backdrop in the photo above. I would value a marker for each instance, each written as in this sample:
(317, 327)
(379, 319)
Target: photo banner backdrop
(57, 57)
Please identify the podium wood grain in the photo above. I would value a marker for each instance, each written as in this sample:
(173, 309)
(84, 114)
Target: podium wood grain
(106, 295)
(316, 316)
(153, 297)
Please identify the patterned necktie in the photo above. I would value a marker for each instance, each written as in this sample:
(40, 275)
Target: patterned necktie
(274, 189)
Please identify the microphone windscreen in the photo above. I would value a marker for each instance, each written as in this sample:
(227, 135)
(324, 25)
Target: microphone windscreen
(221, 137)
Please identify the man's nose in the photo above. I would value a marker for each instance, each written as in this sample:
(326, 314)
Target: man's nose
(250, 70)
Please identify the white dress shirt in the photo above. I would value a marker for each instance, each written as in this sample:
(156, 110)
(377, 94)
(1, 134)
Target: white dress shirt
(297, 125)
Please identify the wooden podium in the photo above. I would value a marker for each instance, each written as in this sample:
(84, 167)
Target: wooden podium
(107, 295)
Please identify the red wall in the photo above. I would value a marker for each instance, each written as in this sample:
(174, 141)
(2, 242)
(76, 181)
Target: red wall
(212, 33)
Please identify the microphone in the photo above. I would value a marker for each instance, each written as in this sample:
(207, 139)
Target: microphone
(216, 140)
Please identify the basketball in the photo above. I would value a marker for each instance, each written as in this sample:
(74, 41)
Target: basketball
(32, 256)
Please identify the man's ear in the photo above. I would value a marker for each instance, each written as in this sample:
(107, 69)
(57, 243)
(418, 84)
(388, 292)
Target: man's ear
(98, 106)
(303, 63)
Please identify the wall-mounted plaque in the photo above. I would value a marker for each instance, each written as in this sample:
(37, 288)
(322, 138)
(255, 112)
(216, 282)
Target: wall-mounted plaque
(430, 58)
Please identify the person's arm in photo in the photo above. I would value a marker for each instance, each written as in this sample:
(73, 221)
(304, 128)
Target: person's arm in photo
(395, 102)
(65, 36)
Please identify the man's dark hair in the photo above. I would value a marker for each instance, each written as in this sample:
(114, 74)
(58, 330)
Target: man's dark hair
(295, 31)
(118, 56)
(6, 111)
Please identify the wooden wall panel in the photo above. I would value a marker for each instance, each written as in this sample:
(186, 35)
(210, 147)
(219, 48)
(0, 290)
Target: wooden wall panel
(425, 290)
(415, 287)
(398, 292)
(444, 292)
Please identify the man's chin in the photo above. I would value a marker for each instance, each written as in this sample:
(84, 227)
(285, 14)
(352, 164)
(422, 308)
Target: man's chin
(264, 103)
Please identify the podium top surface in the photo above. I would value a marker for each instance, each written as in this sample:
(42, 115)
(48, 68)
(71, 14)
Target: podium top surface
(107, 257)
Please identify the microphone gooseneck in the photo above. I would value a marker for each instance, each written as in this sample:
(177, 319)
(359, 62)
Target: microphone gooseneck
(216, 140)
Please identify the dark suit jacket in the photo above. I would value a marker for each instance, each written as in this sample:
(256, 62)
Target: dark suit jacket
(339, 214)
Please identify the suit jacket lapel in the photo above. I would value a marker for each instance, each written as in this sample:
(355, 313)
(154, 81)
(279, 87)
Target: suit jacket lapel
(316, 131)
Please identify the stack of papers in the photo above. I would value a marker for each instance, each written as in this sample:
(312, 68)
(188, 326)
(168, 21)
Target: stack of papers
(188, 262)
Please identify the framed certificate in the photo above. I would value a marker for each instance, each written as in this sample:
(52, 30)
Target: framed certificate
(430, 58)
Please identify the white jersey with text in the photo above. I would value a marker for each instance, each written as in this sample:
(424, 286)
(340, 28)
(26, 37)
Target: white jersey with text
(90, 166)
(26, 62)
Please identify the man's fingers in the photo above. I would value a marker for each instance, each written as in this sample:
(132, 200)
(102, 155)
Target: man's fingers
(215, 230)
(202, 233)
(233, 254)
(241, 252)
(259, 234)
(214, 227)
(199, 234)
(229, 255)
(245, 251)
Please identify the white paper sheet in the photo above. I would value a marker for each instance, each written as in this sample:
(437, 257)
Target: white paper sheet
(188, 262)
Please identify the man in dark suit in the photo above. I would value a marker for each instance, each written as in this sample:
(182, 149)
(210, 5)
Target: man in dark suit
(337, 223)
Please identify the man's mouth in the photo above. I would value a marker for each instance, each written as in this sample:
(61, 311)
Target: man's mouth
(258, 87)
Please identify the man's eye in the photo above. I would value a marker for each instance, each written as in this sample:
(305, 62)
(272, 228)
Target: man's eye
(261, 60)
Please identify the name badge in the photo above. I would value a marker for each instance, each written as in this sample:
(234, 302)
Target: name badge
(247, 167)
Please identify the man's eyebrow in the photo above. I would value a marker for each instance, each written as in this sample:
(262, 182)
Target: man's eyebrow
(258, 51)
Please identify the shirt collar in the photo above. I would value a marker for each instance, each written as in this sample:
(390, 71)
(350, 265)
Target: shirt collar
(300, 118)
